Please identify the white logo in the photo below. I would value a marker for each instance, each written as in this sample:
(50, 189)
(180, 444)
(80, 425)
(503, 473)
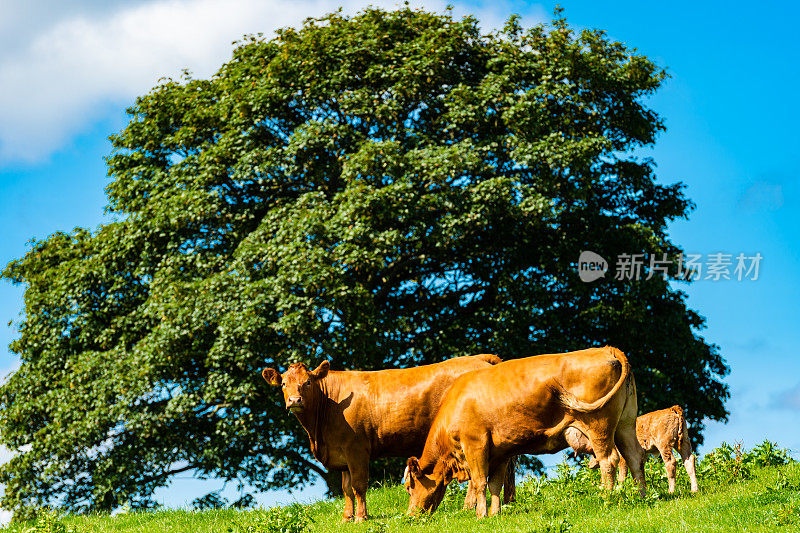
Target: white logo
(591, 266)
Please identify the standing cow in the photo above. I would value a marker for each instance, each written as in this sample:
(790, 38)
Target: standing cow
(352, 417)
(524, 406)
(659, 433)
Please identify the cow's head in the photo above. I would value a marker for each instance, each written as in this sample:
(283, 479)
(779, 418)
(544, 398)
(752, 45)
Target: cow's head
(297, 383)
(425, 491)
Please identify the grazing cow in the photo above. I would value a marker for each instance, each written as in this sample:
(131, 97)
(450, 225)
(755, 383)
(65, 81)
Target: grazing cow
(524, 406)
(659, 433)
(352, 417)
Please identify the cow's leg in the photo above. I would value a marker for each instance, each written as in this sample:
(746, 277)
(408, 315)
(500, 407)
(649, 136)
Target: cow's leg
(603, 447)
(359, 479)
(510, 483)
(615, 460)
(622, 472)
(496, 478)
(670, 466)
(688, 462)
(476, 454)
(360, 483)
(631, 450)
(470, 500)
(347, 489)
(480, 491)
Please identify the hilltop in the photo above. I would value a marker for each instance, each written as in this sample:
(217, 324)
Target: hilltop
(756, 490)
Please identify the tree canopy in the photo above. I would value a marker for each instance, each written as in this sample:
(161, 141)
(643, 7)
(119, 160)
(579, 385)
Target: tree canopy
(383, 190)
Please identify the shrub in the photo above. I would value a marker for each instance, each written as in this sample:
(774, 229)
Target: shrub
(768, 454)
(294, 518)
(48, 521)
(729, 463)
(725, 464)
(531, 488)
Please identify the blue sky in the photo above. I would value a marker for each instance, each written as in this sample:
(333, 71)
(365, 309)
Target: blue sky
(68, 71)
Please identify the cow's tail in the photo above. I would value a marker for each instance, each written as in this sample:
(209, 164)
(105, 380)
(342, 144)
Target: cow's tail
(569, 400)
(490, 358)
(683, 433)
(510, 482)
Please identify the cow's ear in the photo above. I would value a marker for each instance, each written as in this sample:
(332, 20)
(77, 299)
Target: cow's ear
(459, 474)
(413, 467)
(271, 376)
(451, 471)
(322, 370)
(408, 478)
(448, 475)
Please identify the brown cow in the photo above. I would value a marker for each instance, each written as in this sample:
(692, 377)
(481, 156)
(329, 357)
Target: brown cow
(352, 417)
(524, 406)
(659, 433)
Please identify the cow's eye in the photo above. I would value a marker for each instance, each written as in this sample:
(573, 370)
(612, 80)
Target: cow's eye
(307, 383)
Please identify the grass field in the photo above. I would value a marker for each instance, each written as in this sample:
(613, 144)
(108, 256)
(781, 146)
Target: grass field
(740, 491)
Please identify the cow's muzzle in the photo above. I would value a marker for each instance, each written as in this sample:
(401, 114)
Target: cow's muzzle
(295, 405)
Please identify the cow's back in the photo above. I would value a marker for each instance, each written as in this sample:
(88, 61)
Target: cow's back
(663, 427)
(497, 398)
(582, 373)
(389, 412)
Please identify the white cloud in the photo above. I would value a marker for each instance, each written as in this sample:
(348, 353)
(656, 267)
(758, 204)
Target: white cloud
(66, 70)
(20, 20)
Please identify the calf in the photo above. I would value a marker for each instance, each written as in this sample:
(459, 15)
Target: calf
(352, 417)
(525, 406)
(658, 433)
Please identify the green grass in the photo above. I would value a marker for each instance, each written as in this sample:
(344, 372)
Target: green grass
(736, 495)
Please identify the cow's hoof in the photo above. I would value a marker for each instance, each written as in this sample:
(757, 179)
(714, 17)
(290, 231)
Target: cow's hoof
(346, 519)
(360, 518)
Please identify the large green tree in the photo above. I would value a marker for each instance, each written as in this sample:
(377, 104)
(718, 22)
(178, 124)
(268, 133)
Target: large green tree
(385, 190)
